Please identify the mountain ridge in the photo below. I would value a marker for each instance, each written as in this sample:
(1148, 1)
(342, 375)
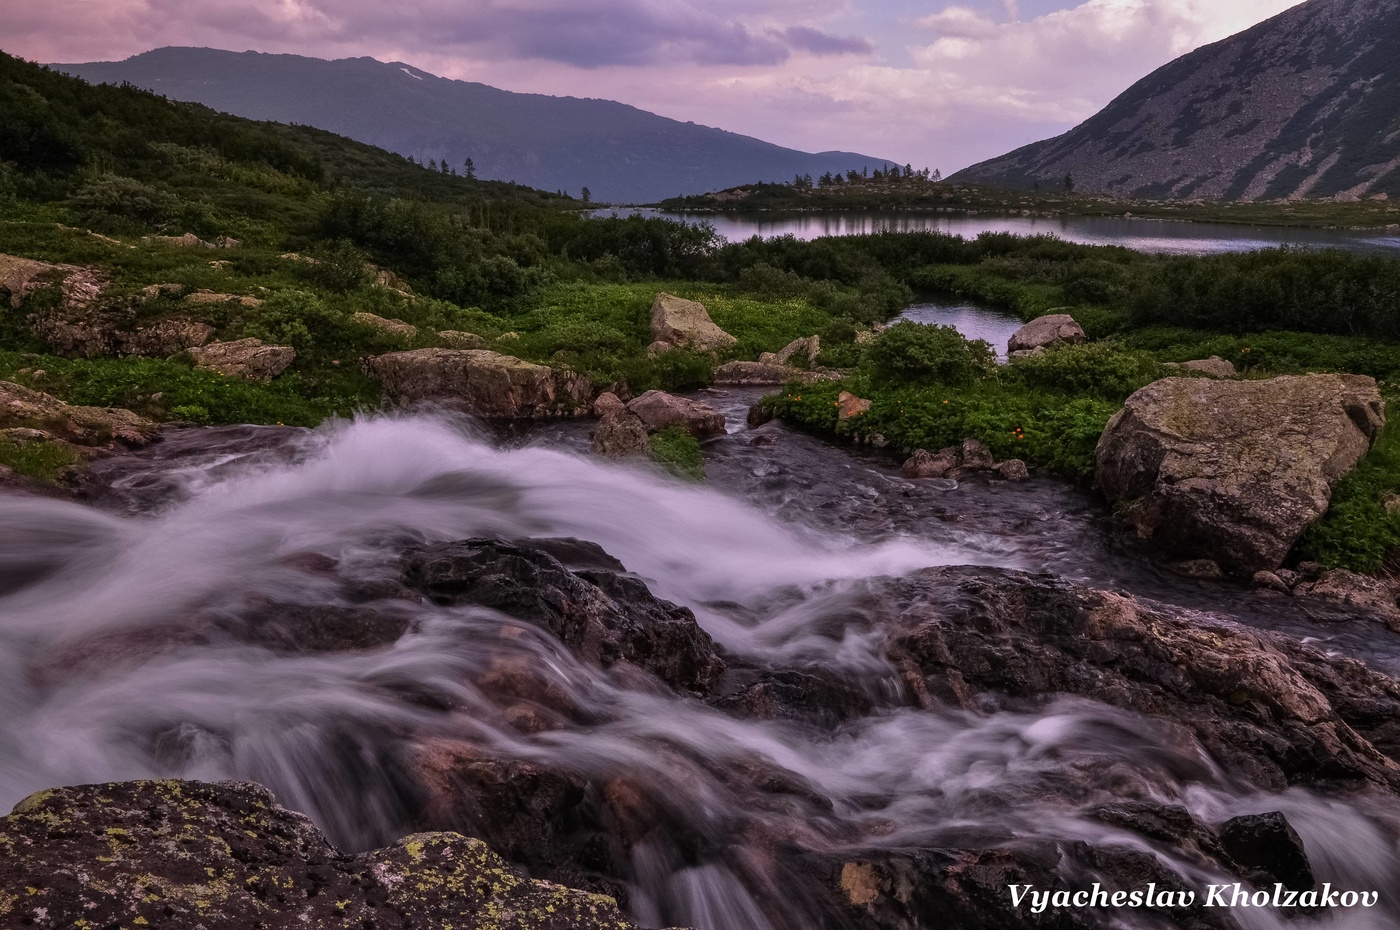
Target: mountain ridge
(1304, 104)
(620, 152)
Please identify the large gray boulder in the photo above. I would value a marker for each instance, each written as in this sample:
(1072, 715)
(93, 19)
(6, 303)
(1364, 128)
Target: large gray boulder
(1235, 470)
(1043, 332)
(481, 382)
(742, 374)
(686, 324)
(659, 410)
(244, 358)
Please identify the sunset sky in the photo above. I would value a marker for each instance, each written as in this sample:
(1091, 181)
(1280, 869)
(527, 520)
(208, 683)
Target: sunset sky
(932, 83)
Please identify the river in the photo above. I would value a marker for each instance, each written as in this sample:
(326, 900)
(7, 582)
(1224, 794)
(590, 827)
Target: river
(1148, 235)
(113, 666)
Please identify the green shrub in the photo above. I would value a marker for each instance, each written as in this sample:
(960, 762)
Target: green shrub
(1099, 369)
(907, 353)
(675, 450)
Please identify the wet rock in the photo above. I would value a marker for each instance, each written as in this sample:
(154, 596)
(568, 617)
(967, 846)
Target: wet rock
(1200, 569)
(482, 382)
(976, 456)
(848, 405)
(1235, 470)
(574, 553)
(686, 324)
(813, 696)
(245, 358)
(23, 408)
(1215, 366)
(1049, 330)
(1266, 707)
(659, 410)
(925, 464)
(1271, 581)
(396, 329)
(758, 415)
(455, 339)
(1346, 587)
(1013, 470)
(226, 857)
(1268, 845)
(544, 819)
(603, 616)
(621, 435)
(325, 628)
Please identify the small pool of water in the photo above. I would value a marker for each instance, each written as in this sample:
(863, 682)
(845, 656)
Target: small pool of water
(973, 321)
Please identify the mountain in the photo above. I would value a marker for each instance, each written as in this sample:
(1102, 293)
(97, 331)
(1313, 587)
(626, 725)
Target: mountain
(622, 154)
(1306, 104)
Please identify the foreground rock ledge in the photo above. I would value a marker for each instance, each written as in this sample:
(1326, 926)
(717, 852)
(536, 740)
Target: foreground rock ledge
(225, 856)
(1234, 471)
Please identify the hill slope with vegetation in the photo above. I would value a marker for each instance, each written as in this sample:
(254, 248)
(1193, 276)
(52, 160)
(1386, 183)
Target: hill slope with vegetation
(620, 153)
(1301, 105)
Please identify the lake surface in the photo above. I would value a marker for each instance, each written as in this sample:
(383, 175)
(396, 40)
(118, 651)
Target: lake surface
(973, 321)
(1170, 237)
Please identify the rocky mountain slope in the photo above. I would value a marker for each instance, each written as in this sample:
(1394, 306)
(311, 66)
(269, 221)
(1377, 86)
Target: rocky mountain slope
(621, 153)
(1301, 105)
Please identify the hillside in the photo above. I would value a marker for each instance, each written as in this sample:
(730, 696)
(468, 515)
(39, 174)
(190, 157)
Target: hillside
(622, 154)
(1306, 104)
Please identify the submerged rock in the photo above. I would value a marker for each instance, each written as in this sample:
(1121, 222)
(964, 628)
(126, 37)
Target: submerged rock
(1268, 844)
(1234, 471)
(686, 324)
(481, 382)
(226, 857)
(245, 358)
(603, 616)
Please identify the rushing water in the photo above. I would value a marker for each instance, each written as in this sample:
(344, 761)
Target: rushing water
(99, 681)
(1144, 234)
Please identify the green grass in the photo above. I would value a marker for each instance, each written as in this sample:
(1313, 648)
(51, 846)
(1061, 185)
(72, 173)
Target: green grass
(678, 452)
(40, 460)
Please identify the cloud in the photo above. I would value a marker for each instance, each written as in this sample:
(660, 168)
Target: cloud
(821, 43)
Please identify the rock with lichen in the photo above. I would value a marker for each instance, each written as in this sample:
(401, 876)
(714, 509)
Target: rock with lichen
(226, 857)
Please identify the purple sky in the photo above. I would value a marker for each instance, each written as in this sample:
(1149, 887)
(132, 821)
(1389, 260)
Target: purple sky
(930, 82)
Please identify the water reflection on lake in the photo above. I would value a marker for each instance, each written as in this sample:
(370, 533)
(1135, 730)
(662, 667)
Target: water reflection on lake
(1146, 235)
(972, 321)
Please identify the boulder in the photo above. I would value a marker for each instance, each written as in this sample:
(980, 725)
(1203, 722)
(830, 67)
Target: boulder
(23, 408)
(608, 404)
(1050, 330)
(1234, 471)
(224, 856)
(687, 325)
(1266, 707)
(848, 405)
(604, 617)
(808, 349)
(659, 410)
(164, 338)
(976, 456)
(1268, 845)
(21, 277)
(620, 436)
(659, 348)
(1215, 366)
(1351, 589)
(245, 358)
(398, 329)
(481, 382)
(203, 298)
(455, 339)
(1012, 470)
(926, 464)
(754, 373)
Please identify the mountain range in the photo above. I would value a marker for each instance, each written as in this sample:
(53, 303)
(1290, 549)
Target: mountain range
(622, 154)
(1306, 104)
